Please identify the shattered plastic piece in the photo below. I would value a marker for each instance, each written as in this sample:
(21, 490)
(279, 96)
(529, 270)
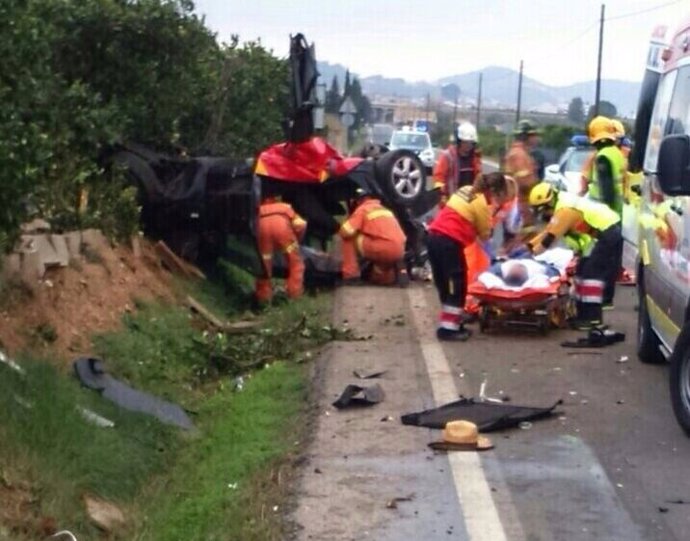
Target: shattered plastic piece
(9, 362)
(393, 504)
(573, 393)
(354, 395)
(386, 419)
(623, 359)
(368, 375)
(92, 375)
(95, 419)
(663, 509)
(484, 398)
(525, 425)
(238, 384)
(619, 485)
(621, 401)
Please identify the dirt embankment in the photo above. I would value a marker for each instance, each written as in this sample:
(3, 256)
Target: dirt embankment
(69, 304)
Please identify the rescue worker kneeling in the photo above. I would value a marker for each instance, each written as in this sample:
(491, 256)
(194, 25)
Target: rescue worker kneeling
(373, 233)
(280, 229)
(595, 229)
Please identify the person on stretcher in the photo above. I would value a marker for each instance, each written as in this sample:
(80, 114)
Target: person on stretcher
(516, 273)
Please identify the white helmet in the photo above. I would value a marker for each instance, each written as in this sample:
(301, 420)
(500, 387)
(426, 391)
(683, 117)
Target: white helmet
(467, 132)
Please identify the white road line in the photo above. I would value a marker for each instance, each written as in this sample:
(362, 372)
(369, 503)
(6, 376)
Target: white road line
(474, 494)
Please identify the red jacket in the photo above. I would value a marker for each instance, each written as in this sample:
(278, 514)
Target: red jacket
(465, 217)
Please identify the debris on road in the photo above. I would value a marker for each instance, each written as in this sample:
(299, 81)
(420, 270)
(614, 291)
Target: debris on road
(91, 373)
(679, 501)
(484, 398)
(486, 415)
(663, 509)
(623, 359)
(462, 436)
(95, 419)
(368, 375)
(393, 504)
(596, 338)
(354, 395)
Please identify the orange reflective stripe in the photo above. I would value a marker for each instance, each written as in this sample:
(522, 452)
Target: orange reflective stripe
(348, 229)
(298, 222)
(267, 256)
(291, 247)
(379, 213)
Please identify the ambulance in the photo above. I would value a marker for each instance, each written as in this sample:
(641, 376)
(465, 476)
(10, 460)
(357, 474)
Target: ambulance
(662, 154)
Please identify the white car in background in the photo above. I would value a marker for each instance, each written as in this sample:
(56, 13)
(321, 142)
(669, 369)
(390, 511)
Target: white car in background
(418, 142)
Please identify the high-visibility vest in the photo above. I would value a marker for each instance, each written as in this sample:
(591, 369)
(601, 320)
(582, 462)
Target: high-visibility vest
(618, 166)
(597, 216)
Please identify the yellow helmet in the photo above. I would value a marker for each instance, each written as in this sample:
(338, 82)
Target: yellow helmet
(601, 128)
(618, 128)
(541, 194)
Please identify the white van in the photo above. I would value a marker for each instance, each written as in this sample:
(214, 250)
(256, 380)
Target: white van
(664, 241)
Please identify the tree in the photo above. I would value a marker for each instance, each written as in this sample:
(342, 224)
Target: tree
(333, 97)
(576, 111)
(346, 89)
(606, 108)
(362, 103)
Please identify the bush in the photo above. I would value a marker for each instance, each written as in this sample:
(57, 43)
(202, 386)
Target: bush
(80, 75)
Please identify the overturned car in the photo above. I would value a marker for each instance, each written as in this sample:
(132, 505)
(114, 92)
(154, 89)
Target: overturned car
(198, 205)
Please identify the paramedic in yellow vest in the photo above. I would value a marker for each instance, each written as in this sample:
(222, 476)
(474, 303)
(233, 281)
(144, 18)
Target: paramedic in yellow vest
(606, 179)
(581, 219)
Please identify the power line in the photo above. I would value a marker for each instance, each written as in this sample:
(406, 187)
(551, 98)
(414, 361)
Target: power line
(641, 11)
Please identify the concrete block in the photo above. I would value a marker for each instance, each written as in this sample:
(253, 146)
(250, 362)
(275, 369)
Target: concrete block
(73, 240)
(95, 240)
(60, 248)
(35, 226)
(32, 267)
(46, 251)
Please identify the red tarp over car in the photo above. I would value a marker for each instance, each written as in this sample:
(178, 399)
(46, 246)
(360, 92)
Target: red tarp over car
(311, 161)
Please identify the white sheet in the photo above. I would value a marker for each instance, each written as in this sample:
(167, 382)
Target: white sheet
(558, 257)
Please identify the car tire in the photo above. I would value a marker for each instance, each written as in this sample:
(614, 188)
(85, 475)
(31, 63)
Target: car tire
(647, 341)
(679, 379)
(402, 176)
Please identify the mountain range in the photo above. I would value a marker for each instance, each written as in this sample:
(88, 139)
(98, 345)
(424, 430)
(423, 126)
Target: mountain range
(499, 89)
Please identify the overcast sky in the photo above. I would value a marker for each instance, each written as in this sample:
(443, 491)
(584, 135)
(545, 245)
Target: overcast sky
(427, 40)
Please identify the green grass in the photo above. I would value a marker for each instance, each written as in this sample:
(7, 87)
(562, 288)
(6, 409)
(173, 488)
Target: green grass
(170, 486)
(210, 493)
(43, 434)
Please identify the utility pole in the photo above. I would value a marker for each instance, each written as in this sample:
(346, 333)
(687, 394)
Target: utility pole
(455, 107)
(479, 100)
(428, 106)
(601, 47)
(519, 97)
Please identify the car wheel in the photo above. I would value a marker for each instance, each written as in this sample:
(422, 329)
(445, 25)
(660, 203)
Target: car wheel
(401, 174)
(679, 380)
(647, 341)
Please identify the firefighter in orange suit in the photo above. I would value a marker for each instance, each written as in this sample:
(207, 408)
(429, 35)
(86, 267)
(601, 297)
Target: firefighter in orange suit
(373, 233)
(520, 165)
(280, 229)
(460, 164)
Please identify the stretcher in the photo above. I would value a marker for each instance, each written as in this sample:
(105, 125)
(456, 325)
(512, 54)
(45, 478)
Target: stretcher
(539, 306)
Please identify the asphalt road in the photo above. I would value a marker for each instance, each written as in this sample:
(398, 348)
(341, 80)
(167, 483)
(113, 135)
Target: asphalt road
(608, 467)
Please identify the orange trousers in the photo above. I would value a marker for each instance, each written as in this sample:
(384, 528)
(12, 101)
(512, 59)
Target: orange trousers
(384, 254)
(277, 235)
(477, 262)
